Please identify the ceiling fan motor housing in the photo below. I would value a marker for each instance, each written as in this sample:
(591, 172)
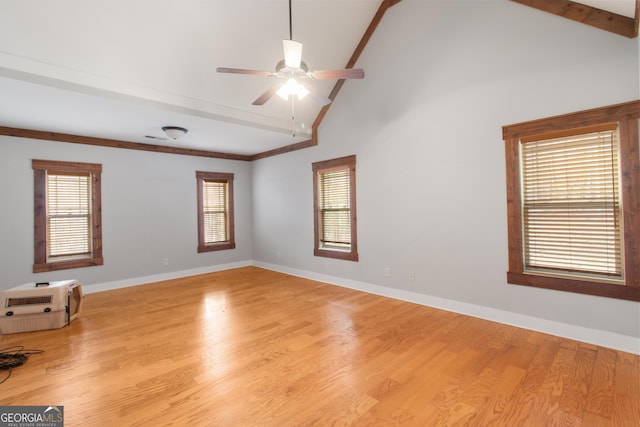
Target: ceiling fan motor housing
(303, 69)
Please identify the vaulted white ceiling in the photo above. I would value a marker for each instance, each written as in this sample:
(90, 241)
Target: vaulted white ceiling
(122, 69)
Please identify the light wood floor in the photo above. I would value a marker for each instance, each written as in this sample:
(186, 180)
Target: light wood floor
(251, 347)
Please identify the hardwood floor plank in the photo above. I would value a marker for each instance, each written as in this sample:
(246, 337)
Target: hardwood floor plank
(576, 388)
(601, 389)
(625, 408)
(625, 382)
(255, 347)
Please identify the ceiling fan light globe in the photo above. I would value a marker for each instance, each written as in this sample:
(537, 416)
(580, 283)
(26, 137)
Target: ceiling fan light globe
(284, 94)
(288, 89)
(292, 87)
(301, 91)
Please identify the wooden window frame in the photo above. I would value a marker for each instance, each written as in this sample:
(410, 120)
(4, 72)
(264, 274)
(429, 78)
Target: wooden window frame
(347, 162)
(40, 169)
(626, 115)
(227, 178)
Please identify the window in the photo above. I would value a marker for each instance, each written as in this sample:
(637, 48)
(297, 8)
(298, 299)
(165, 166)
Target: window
(334, 196)
(215, 211)
(67, 215)
(572, 201)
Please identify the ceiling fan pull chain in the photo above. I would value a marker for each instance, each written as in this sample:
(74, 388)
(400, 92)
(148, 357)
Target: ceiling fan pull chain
(293, 115)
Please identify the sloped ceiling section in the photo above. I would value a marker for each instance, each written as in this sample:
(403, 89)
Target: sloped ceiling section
(617, 16)
(114, 72)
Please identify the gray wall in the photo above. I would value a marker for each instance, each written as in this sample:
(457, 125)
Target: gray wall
(148, 212)
(442, 78)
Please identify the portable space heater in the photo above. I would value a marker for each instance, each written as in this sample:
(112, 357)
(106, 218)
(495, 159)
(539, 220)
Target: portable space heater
(38, 306)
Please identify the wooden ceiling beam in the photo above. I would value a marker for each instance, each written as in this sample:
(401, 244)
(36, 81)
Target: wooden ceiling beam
(637, 18)
(608, 21)
(114, 143)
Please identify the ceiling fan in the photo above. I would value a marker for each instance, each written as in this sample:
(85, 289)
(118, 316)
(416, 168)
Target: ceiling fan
(291, 70)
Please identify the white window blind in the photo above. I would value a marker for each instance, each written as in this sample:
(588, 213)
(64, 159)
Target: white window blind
(334, 202)
(215, 211)
(69, 221)
(571, 203)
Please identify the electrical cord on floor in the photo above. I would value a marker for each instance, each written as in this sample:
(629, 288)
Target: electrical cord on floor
(12, 357)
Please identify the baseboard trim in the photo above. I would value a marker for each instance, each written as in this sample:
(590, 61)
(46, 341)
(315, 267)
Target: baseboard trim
(607, 339)
(592, 336)
(107, 286)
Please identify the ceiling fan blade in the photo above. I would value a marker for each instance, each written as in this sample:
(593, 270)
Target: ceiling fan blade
(292, 53)
(243, 71)
(349, 73)
(268, 94)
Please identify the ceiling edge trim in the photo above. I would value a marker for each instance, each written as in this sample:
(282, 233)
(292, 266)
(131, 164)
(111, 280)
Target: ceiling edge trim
(637, 18)
(602, 19)
(286, 149)
(114, 143)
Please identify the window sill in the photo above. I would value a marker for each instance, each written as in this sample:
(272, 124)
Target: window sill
(216, 247)
(347, 256)
(602, 289)
(67, 265)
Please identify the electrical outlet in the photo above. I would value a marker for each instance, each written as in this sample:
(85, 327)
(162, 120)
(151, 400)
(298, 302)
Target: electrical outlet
(387, 272)
(412, 276)
(165, 261)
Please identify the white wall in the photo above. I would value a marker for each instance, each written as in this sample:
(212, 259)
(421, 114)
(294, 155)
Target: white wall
(148, 214)
(442, 78)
